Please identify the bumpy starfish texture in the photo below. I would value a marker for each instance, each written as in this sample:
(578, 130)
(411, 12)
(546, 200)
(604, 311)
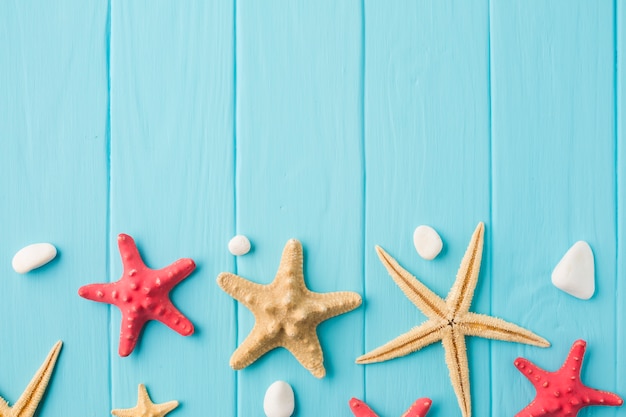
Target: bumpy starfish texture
(145, 407)
(142, 294)
(449, 320)
(286, 312)
(30, 398)
(562, 393)
(418, 409)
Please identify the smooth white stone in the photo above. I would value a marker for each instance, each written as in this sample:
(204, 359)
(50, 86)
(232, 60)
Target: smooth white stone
(279, 400)
(427, 242)
(33, 256)
(575, 273)
(239, 245)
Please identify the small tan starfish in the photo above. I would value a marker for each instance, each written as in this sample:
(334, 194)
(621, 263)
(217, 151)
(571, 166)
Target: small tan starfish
(286, 312)
(30, 398)
(145, 407)
(449, 320)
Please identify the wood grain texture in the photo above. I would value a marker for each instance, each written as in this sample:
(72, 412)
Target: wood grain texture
(172, 190)
(299, 175)
(53, 135)
(427, 162)
(620, 112)
(553, 184)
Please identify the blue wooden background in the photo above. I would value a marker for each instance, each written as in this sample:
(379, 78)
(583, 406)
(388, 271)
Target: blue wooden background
(344, 124)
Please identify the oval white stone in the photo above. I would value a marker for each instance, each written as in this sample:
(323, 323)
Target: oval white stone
(279, 400)
(33, 256)
(427, 242)
(239, 245)
(575, 272)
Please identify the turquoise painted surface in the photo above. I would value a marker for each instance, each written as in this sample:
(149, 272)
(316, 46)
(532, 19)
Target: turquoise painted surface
(172, 189)
(554, 182)
(427, 161)
(344, 125)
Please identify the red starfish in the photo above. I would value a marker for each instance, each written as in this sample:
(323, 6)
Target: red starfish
(562, 393)
(418, 409)
(142, 294)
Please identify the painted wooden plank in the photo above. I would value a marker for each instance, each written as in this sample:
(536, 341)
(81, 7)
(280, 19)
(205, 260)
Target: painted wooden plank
(172, 190)
(553, 184)
(299, 175)
(427, 162)
(53, 181)
(620, 91)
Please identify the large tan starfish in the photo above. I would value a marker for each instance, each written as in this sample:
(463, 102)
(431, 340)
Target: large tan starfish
(449, 320)
(145, 407)
(30, 398)
(286, 312)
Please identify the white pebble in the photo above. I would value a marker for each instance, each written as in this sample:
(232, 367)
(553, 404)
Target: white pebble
(33, 256)
(575, 273)
(279, 400)
(239, 245)
(427, 242)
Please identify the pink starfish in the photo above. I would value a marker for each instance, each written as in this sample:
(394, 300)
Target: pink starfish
(418, 409)
(562, 393)
(142, 294)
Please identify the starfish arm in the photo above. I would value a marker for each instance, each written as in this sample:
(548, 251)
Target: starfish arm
(174, 319)
(164, 408)
(331, 304)
(308, 351)
(145, 406)
(456, 359)
(573, 366)
(27, 404)
(291, 263)
(240, 288)
(101, 293)
(143, 398)
(130, 329)
(415, 339)
(176, 272)
(494, 328)
(573, 362)
(126, 412)
(460, 296)
(156, 410)
(419, 408)
(537, 376)
(131, 259)
(257, 344)
(360, 409)
(427, 301)
(598, 397)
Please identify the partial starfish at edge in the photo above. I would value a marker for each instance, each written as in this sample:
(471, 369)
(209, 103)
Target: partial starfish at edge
(145, 407)
(418, 409)
(562, 393)
(27, 404)
(286, 312)
(449, 320)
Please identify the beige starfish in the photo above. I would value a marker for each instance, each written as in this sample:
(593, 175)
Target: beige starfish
(449, 320)
(286, 312)
(30, 398)
(145, 407)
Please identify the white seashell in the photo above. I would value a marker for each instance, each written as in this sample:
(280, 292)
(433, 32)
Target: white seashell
(575, 273)
(427, 242)
(239, 245)
(279, 400)
(33, 256)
